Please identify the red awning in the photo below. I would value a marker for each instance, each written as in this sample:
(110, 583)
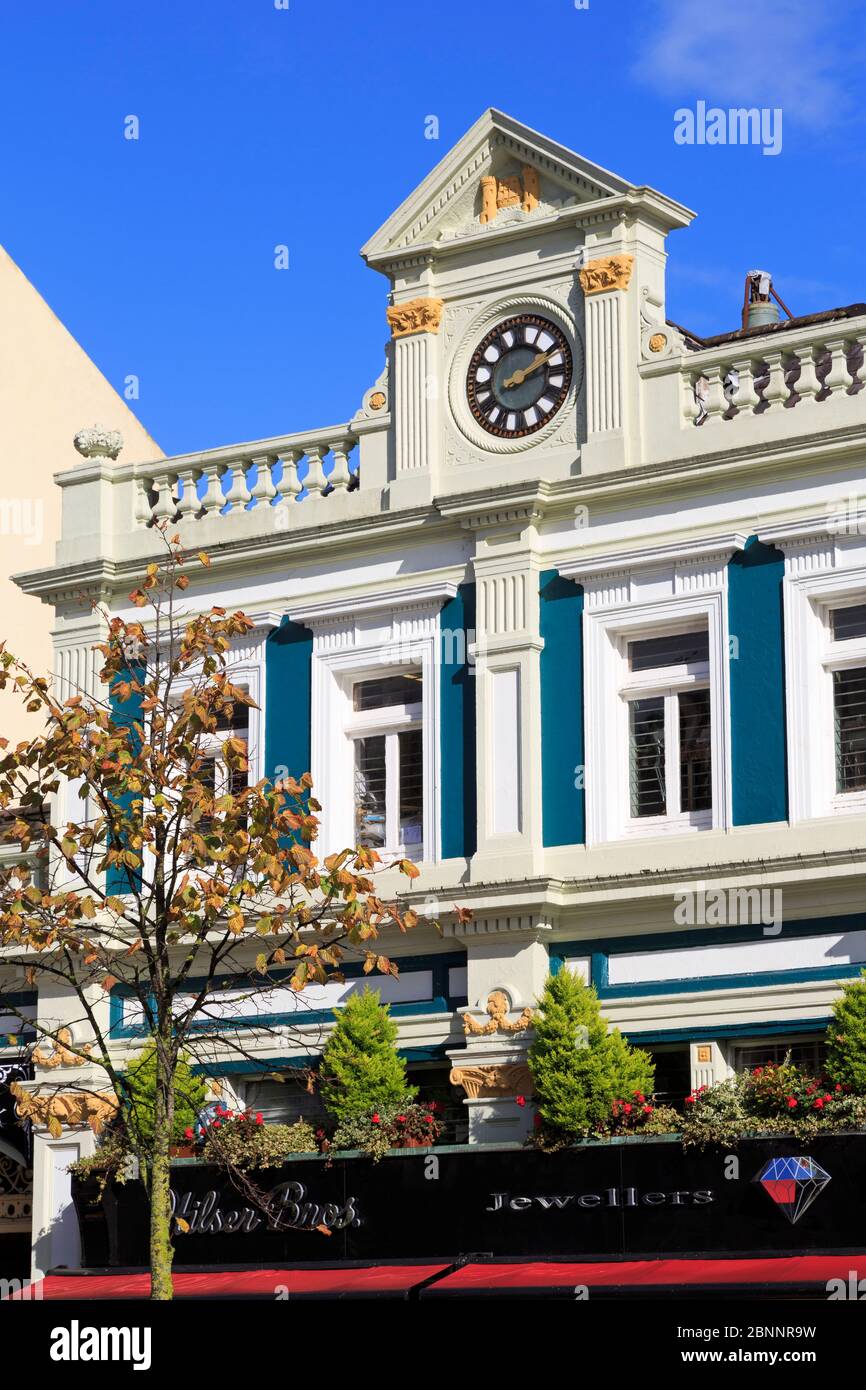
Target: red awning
(368, 1281)
(536, 1277)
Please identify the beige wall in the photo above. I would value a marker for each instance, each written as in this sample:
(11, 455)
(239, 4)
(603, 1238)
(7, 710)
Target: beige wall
(49, 389)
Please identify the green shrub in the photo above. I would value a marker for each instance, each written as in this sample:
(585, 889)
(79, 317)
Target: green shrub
(846, 1038)
(361, 1069)
(190, 1094)
(578, 1067)
(240, 1142)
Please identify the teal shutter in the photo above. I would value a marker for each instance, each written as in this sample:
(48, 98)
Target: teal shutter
(563, 799)
(288, 677)
(457, 804)
(757, 667)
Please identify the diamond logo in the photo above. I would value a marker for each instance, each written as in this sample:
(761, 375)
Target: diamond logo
(793, 1184)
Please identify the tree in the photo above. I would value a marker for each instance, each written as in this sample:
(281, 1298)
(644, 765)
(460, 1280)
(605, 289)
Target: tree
(172, 880)
(846, 1037)
(189, 1096)
(361, 1068)
(579, 1068)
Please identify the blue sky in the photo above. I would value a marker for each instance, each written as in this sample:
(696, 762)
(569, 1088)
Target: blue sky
(305, 126)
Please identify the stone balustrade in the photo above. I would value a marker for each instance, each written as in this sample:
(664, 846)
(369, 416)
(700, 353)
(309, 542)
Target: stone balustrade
(786, 370)
(267, 473)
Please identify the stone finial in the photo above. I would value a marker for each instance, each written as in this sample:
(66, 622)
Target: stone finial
(94, 442)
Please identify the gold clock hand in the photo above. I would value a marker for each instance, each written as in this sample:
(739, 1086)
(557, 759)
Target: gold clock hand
(519, 376)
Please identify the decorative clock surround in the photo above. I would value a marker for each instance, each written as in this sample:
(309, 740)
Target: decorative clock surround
(519, 376)
(473, 415)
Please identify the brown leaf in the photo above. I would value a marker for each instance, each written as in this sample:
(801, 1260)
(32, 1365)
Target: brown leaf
(55, 1128)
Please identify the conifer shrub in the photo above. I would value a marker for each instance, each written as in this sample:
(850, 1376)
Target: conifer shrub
(361, 1069)
(190, 1093)
(846, 1038)
(580, 1068)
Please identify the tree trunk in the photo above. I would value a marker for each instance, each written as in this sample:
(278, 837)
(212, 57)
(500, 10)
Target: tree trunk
(161, 1249)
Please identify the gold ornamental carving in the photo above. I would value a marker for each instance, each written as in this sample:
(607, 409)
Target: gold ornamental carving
(607, 273)
(377, 400)
(488, 1082)
(415, 316)
(657, 342)
(61, 1055)
(497, 1009)
(65, 1108)
(516, 190)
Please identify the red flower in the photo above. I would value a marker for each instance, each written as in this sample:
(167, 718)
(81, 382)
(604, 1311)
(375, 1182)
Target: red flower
(401, 1119)
(259, 1120)
(627, 1108)
(838, 1085)
(188, 1134)
(430, 1120)
(520, 1100)
(828, 1097)
(216, 1124)
(320, 1134)
(819, 1104)
(792, 1102)
(639, 1097)
(648, 1110)
(690, 1100)
(375, 1118)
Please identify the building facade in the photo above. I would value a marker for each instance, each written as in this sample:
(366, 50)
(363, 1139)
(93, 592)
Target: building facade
(571, 611)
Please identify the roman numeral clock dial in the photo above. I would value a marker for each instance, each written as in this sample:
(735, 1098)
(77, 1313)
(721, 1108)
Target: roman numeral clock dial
(519, 376)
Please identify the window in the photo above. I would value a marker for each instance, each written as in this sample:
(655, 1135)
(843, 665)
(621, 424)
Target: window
(385, 729)
(845, 665)
(808, 1053)
(666, 690)
(215, 774)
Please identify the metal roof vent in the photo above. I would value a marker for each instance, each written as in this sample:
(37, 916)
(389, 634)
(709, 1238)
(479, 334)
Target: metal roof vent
(759, 311)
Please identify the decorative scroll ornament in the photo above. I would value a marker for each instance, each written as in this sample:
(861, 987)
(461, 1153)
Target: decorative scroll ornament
(415, 316)
(514, 191)
(65, 1108)
(96, 442)
(16, 1190)
(497, 1008)
(504, 1079)
(608, 273)
(61, 1056)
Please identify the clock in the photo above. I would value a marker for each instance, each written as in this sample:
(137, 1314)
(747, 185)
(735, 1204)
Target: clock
(519, 376)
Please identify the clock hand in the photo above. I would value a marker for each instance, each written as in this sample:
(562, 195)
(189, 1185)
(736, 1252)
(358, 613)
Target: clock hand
(518, 377)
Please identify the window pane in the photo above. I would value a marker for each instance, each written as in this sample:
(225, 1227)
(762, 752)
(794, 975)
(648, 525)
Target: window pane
(412, 792)
(237, 723)
(810, 1055)
(383, 691)
(849, 698)
(678, 650)
(849, 623)
(370, 791)
(647, 757)
(696, 782)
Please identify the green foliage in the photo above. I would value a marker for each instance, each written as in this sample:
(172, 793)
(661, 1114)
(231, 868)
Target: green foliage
(242, 1143)
(140, 1097)
(361, 1068)
(388, 1127)
(846, 1037)
(579, 1068)
(775, 1099)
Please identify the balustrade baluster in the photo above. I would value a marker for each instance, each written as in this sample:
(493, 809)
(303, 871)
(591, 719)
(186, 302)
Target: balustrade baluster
(263, 489)
(213, 500)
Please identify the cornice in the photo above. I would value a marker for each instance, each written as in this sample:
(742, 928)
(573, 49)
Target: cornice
(428, 594)
(685, 551)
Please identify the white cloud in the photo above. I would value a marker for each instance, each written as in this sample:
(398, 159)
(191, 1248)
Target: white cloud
(805, 56)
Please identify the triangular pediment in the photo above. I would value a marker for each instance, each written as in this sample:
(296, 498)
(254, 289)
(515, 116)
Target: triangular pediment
(501, 173)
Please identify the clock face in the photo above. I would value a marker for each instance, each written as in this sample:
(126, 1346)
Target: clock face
(519, 376)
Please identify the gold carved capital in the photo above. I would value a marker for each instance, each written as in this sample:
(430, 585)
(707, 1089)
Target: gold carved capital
(65, 1108)
(504, 1079)
(607, 273)
(415, 316)
(497, 1009)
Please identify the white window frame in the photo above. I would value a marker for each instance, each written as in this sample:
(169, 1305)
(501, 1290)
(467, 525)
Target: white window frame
(646, 593)
(390, 721)
(353, 638)
(823, 571)
(667, 682)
